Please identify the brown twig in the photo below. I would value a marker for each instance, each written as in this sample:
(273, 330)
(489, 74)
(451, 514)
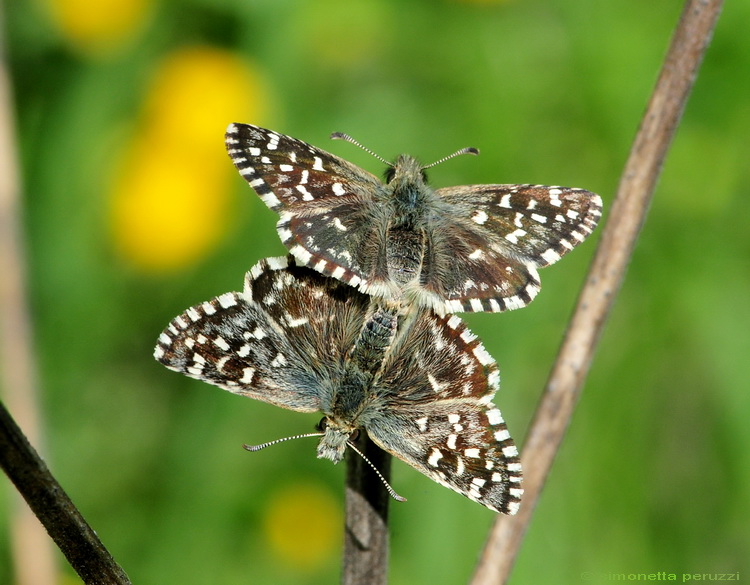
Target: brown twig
(607, 271)
(366, 525)
(78, 542)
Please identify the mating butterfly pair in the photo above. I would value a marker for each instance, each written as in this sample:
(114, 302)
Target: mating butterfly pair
(383, 357)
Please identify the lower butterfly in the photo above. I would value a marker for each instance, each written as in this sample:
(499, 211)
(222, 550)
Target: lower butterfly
(421, 385)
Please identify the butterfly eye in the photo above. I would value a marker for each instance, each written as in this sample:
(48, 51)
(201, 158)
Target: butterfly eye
(322, 425)
(355, 435)
(390, 172)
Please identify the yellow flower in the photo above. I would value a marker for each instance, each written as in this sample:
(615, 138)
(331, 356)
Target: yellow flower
(101, 25)
(303, 525)
(171, 197)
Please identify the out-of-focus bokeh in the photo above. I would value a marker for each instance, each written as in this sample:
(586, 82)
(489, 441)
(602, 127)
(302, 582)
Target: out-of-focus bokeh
(133, 212)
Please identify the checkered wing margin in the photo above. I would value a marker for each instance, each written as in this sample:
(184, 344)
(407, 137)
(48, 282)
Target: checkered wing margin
(271, 342)
(439, 382)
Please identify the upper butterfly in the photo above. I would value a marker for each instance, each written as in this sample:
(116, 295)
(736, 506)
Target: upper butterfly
(466, 248)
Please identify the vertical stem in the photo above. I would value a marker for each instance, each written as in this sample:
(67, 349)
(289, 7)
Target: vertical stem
(606, 274)
(366, 523)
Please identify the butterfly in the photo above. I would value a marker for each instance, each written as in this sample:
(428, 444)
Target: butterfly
(454, 249)
(421, 385)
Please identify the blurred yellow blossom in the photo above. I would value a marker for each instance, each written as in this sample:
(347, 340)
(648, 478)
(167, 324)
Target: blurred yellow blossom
(303, 525)
(172, 192)
(101, 25)
(196, 88)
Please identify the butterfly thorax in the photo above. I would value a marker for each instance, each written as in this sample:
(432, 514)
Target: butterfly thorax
(410, 200)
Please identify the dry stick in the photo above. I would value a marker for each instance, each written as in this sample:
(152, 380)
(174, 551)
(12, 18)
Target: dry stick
(78, 542)
(366, 525)
(603, 282)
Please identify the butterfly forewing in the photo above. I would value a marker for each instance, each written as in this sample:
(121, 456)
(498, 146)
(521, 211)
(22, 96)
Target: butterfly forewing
(272, 342)
(535, 222)
(441, 420)
(289, 173)
(320, 197)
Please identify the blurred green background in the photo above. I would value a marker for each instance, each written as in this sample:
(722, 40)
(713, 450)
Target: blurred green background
(133, 212)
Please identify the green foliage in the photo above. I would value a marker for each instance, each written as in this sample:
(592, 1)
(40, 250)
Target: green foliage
(654, 473)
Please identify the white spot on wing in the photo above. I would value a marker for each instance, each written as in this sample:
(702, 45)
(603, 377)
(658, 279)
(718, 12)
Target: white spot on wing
(494, 417)
(306, 195)
(301, 254)
(482, 355)
(227, 300)
(247, 375)
(550, 256)
(502, 435)
(479, 217)
(510, 451)
(221, 343)
(514, 235)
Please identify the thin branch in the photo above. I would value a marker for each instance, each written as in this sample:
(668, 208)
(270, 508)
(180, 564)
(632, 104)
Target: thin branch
(78, 542)
(366, 525)
(605, 277)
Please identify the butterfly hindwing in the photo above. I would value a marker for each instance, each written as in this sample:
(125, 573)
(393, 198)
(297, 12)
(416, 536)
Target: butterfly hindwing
(441, 420)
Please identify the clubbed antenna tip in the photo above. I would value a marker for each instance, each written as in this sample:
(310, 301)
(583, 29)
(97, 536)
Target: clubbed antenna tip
(467, 150)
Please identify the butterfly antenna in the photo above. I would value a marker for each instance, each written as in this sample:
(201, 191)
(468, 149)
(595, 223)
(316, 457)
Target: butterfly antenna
(264, 445)
(391, 491)
(342, 136)
(467, 150)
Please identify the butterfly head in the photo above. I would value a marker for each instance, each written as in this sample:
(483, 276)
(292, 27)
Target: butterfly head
(336, 437)
(405, 173)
